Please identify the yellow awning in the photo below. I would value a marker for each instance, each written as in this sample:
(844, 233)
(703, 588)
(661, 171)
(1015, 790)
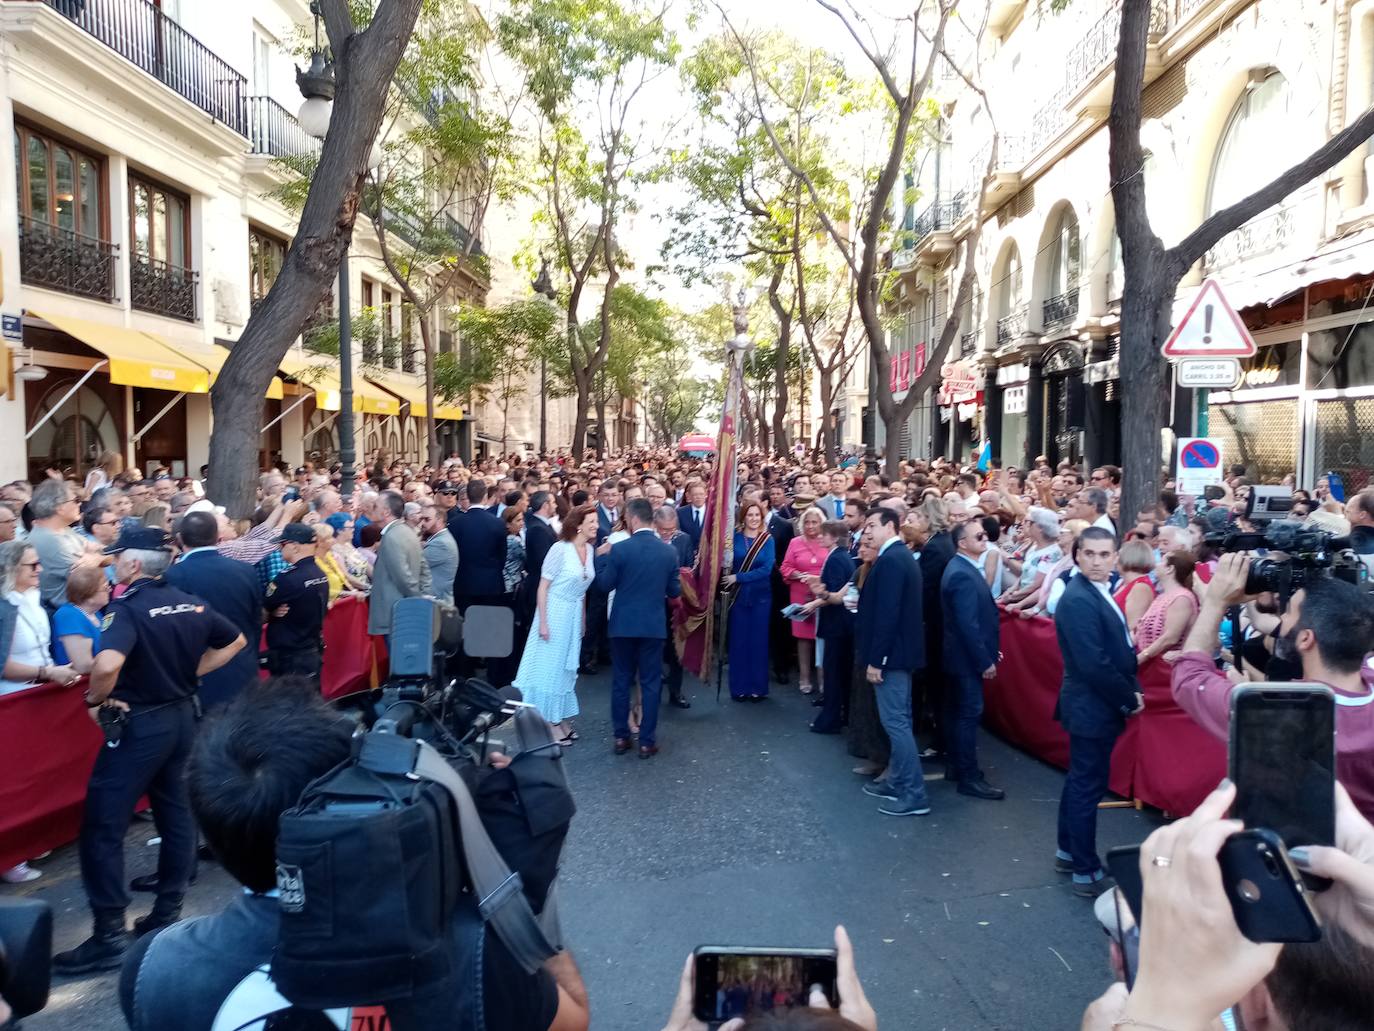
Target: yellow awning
(136, 359)
(214, 360)
(414, 394)
(317, 372)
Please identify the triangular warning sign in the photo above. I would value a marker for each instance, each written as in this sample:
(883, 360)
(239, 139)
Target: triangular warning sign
(1210, 329)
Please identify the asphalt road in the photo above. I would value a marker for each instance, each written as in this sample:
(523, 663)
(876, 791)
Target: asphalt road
(749, 830)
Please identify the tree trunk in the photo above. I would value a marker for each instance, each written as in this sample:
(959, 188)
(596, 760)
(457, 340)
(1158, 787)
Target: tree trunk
(431, 423)
(364, 65)
(827, 428)
(784, 315)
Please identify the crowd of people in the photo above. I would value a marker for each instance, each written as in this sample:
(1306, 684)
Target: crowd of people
(882, 599)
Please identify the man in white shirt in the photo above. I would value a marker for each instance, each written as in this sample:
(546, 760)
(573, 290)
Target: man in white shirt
(1090, 504)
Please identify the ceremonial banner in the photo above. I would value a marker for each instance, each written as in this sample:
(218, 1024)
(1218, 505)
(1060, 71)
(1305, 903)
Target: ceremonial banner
(694, 617)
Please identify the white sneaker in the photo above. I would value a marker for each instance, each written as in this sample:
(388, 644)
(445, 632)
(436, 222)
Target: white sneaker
(21, 874)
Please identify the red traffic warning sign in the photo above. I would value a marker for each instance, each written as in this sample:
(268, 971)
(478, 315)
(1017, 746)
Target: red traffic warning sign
(1210, 329)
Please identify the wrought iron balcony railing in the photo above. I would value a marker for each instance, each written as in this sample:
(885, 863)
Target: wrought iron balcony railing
(1261, 235)
(939, 215)
(1060, 309)
(968, 344)
(1011, 326)
(163, 289)
(62, 259)
(274, 130)
(139, 31)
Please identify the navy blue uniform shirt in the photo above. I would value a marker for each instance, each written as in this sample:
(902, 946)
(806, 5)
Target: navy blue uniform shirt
(304, 589)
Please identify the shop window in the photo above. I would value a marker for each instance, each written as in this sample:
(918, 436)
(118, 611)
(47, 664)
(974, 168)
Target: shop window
(159, 223)
(1245, 156)
(1274, 365)
(1261, 435)
(1345, 440)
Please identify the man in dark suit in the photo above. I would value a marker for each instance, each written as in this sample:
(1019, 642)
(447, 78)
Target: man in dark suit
(665, 525)
(643, 571)
(481, 540)
(834, 626)
(539, 538)
(932, 519)
(970, 653)
(691, 516)
(233, 591)
(890, 645)
(1099, 693)
(595, 644)
(782, 529)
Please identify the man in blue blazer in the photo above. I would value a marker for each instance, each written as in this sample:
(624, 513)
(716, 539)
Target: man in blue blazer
(643, 572)
(971, 648)
(232, 589)
(481, 540)
(1099, 693)
(691, 515)
(890, 645)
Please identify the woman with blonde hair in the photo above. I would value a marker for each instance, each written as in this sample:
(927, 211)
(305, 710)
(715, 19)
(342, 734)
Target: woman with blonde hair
(803, 561)
(109, 465)
(1134, 562)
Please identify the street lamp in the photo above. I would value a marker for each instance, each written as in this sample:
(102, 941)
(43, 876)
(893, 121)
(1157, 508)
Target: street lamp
(316, 84)
(543, 285)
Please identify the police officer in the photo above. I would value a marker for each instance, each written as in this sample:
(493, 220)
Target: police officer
(296, 602)
(156, 642)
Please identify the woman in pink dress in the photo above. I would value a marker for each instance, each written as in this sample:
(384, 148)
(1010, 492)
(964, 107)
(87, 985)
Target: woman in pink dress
(805, 555)
(1170, 616)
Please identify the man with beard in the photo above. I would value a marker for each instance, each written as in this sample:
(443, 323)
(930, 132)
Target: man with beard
(1326, 631)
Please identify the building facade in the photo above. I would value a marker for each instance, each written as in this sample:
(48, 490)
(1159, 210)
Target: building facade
(140, 222)
(1236, 90)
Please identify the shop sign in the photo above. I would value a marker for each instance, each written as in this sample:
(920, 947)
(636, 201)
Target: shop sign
(958, 382)
(1010, 375)
(1014, 401)
(13, 327)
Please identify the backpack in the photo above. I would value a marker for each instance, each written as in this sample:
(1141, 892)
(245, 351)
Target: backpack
(376, 859)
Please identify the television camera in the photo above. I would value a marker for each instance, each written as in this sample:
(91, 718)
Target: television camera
(25, 951)
(1307, 553)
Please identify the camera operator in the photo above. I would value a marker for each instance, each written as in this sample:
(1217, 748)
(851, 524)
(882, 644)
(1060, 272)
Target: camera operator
(1328, 627)
(1194, 962)
(250, 763)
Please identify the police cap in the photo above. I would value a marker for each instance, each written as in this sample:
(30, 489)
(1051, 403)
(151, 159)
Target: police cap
(139, 538)
(297, 533)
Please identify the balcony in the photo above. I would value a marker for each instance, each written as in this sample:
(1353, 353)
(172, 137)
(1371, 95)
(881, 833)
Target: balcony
(1263, 234)
(163, 289)
(968, 345)
(932, 231)
(274, 131)
(461, 234)
(1009, 327)
(62, 259)
(1089, 72)
(1060, 310)
(138, 31)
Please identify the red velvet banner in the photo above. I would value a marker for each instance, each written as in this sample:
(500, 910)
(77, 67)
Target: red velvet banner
(50, 743)
(1164, 759)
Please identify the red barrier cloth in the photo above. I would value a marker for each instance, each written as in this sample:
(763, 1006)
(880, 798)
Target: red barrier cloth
(350, 655)
(1018, 704)
(49, 745)
(1163, 759)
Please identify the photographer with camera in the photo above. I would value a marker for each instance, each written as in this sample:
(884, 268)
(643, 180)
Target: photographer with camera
(251, 763)
(1327, 627)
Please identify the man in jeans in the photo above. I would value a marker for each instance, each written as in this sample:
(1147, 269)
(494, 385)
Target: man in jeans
(890, 642)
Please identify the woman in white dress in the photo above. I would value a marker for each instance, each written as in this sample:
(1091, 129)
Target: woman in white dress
(548, 670)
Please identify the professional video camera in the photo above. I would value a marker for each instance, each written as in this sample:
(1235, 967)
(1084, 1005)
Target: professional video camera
(25, 955)
(1309, 554)
(391, 866)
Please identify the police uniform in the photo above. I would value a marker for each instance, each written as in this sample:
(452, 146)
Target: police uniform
(163, 633)
(294, 642)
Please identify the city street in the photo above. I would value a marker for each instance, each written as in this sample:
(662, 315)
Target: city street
(749, 830)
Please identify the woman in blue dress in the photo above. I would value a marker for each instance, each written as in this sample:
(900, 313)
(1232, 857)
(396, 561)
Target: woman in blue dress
(750, 601)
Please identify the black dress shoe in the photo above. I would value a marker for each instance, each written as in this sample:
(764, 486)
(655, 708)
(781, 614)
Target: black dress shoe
(622, 745)
(780, 678)
(981, 789)
(148, 882)
(758, 697)
(818, 701)
(587, 669)
(679, 703)
(648, 751)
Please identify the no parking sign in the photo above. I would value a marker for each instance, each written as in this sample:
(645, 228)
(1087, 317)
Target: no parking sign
(1199, 464)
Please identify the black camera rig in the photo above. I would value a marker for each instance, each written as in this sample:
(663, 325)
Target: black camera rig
(1308, 555)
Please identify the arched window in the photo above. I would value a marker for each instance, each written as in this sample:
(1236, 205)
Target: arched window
(1262, 118)
(1007, 288)
(1063, 257)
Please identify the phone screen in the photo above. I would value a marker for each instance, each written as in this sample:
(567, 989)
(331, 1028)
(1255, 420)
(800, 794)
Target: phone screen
(1283, 761)
(745, 983)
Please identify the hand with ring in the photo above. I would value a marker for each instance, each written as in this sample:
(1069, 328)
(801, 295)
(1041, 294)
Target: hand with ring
(1194, 962)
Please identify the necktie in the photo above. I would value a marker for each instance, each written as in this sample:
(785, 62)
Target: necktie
(839, 509)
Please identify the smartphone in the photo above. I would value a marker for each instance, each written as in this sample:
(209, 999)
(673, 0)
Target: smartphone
(735, 982)
(1282, 758)
(1267, 895)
